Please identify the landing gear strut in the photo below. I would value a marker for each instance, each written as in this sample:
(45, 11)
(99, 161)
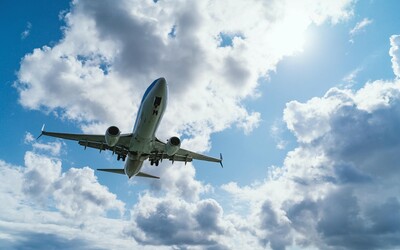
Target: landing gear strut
(119, 157)
(156, 162)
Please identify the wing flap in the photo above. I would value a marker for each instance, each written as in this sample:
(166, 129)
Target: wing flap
(102, 146)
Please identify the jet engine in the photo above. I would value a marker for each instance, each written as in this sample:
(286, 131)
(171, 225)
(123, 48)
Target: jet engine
(172, 146)
(112, 136)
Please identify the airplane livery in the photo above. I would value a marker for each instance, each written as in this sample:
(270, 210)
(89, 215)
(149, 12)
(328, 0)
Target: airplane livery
(140, 145)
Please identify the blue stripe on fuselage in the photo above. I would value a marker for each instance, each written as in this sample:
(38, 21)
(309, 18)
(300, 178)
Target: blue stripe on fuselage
(149, 89)
(146, 93)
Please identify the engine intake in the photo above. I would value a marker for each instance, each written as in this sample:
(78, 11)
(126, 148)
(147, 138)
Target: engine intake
(172, 146)
(112, 136)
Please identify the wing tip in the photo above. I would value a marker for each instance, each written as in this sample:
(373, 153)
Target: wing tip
(41, 132)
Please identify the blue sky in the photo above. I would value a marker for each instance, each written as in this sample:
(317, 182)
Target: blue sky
(301, 98)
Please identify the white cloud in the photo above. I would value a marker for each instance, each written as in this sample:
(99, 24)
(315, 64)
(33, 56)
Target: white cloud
(54, 148)
(394, 52)
(340, 183)
(42, 207)
(27, 31)
(276, 131)
(350, 77)
(359, 27)
(111, 51)
(96, 74)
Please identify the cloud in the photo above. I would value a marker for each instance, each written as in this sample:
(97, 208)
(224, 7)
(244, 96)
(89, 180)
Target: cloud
(34, 240)
(394, 52)
(96, 74)
(27, 31)
(75, 193)
(350, 77)
(78, 193)
(359, 27)
(338, 188)
(276, 131)
(110, 53)
(54, 148)
(172, 222)
(39, 201)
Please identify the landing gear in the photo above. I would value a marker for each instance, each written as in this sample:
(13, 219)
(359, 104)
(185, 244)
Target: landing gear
(154, 162)
(119, 157)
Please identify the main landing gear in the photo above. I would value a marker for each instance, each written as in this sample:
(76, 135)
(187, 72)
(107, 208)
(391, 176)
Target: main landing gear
(119, 157)
(154, 162)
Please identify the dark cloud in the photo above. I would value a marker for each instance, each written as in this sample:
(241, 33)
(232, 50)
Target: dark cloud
(345, 170)
(385, 217)
(142, 50)
(208, 214)
(178, 224)
(276, 229)
(369, 140)
(31, 240)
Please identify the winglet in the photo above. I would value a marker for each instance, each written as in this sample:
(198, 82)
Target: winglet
(220, 157)
(41, 132)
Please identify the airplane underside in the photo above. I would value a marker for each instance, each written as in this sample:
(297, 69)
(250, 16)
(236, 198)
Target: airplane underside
(140, 145)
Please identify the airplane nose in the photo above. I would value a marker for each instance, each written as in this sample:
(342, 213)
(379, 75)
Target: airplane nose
(162, 81)
(161, 85)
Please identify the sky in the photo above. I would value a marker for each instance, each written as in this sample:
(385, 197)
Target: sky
(302, 98)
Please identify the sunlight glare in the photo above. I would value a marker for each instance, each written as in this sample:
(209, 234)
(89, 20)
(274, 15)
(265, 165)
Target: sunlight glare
(290, 35)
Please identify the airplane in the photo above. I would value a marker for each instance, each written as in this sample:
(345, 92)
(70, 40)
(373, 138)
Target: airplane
(142, 144)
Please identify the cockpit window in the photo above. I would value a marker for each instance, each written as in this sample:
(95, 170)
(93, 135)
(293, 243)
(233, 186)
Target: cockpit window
(157, 101)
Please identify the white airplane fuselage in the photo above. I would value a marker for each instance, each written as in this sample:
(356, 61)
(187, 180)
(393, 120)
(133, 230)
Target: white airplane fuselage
(148, 118)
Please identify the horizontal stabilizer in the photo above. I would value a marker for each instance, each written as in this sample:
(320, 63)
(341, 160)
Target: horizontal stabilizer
(113, 170)
(141, 174)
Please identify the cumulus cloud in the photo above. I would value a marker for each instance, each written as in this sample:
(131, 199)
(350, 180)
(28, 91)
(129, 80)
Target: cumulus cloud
(333, 189)
(76, 193)
(111, 51)
(54, 148)
(67, 208)
(109, 54)
(394, 52)
(168, 221)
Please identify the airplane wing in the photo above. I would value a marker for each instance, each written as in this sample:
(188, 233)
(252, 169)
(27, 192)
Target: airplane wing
(182, 155)
(95, 141)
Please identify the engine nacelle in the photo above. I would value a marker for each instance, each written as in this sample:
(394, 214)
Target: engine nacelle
(172, 146)
(112, 136)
